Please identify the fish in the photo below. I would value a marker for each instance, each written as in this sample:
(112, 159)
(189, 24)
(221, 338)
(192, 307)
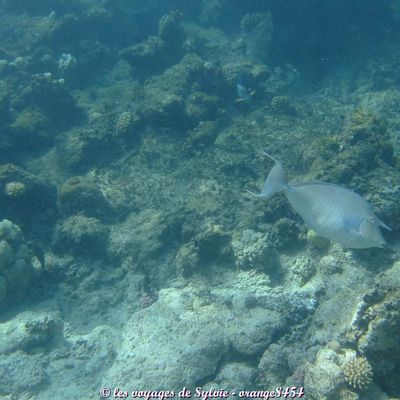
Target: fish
(243, 92)
(332, 211)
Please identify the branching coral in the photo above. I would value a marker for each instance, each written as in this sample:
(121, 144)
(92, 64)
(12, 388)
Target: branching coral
(358, 372)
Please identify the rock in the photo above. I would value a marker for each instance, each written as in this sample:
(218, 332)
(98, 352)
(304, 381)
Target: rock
(195, 328)
(22, 373)
(324, 378)
(188, 350)
(235, 376)
(253, 336)
(28, 330)
(273, 366)
(82, 360)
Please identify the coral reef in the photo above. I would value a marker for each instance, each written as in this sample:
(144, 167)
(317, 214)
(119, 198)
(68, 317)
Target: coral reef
(31, 127)
(323, 378)
(200, 137)
(80, 195)
(375, 325)
(303, 269)
(316, 241)
(253, 250)
(53, 99)
(201, 106)
(82, 236)
(156, 52)
(218, 319)
(283, 105)
(358, 373)
(213, 242)
(15, 264)
(46, 332)
(15, 189)
(144, 55)
(249, 21)
(130, 157)
(75, 152)
(25, 198)
(170, 31)
(187, 258)
(285, 234)
(258, 30)
(231, 73)
(346, 394)
(351, 153)
(126, 124)
(142, 238)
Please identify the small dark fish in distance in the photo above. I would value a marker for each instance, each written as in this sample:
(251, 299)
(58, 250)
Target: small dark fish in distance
(332, 211)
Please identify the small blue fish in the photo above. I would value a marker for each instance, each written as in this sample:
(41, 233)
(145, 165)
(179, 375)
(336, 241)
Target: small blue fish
(332, 211)
(243, 92)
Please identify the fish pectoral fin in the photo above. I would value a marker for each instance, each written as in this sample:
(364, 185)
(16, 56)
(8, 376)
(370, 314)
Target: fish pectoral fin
(352, 226)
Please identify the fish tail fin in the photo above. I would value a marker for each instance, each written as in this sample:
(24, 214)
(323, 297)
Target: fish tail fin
(269, 156)
(276, 180)
(254, 194)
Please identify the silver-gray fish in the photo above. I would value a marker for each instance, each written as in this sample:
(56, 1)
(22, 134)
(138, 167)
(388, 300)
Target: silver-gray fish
(332, 211)
(243, 92)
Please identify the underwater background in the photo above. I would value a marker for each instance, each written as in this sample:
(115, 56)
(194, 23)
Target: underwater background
(133, 263)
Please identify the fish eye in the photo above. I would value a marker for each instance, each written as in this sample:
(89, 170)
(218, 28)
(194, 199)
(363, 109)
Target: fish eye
(371, 219)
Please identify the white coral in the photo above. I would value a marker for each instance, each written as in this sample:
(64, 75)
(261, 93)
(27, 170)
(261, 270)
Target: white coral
(15, 189)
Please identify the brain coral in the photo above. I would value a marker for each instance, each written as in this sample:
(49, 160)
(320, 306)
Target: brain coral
(358, 372)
